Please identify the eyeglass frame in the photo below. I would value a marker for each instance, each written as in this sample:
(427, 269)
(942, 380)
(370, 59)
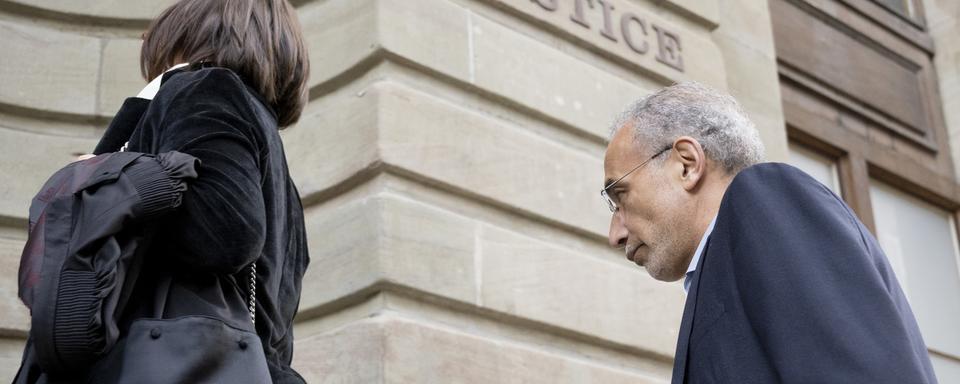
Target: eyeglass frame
(614, 207)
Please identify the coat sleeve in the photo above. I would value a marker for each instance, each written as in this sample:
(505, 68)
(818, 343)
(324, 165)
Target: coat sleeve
(221, 224)
(818, 293)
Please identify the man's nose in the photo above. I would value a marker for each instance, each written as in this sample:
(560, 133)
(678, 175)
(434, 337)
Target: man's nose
(617, 237)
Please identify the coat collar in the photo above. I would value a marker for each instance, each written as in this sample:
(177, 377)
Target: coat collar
(122, 125)
(128, 117)
(153, 86)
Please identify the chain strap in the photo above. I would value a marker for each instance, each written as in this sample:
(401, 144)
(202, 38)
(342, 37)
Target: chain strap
(253, 293)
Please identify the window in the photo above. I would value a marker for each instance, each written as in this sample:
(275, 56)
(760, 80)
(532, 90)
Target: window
(947, 370)
(920, 240)
(845, 124)
(822, 168)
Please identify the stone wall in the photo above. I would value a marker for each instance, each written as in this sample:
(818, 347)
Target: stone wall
(449, 161)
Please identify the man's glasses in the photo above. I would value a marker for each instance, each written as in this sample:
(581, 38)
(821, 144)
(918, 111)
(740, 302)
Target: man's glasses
(606, 196)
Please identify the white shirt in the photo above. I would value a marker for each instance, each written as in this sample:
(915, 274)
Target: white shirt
(153, 87)
(688, 279)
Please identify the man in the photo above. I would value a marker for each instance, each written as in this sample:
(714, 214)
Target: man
(784, 283)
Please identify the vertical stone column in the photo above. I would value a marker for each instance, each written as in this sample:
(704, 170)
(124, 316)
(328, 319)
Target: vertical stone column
(943, 22)
(450, 161)
(746, 38)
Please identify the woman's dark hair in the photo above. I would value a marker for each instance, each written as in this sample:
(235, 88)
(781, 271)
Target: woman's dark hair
(260, 40)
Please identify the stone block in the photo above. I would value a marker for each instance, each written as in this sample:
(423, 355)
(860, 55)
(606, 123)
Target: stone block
(613, 301)
(16, 316)
(427, 248)
(109, 9)
(478, 155)
(48, 70)
(943, 18)
(335, 138)
(708, 11)
(432, 33)
(753, 80)
(385, 238)
(747, 22)
(416, 352)
(120, 76)
(343, 239)
(30, 159)
(487, 57)
(548, 81)
(643, 35)
(339, 34)
(491, 324)
(388, 348)
(351, 354)
(11, 352)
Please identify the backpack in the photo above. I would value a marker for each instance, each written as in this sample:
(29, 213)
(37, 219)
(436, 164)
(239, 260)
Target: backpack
(87, 230)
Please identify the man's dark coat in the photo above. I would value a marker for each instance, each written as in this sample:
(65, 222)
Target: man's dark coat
(792, 288)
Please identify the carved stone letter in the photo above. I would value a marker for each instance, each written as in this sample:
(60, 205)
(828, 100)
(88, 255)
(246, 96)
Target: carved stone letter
(669, 52)
(550, 5)
(640, 47)
(607, 30)
(577, 15)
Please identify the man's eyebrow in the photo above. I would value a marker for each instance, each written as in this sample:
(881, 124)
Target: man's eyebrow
(607, 182)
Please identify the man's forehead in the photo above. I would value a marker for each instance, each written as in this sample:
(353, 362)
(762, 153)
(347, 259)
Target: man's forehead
(621, 149)
(622, 153)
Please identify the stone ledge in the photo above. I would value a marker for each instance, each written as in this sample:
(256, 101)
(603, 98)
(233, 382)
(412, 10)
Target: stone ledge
(446, 39)
(382, 238)
(107, 11)
(532, 279)
(414, 132)
(30, 167)
(366, 240)
(16, 316)
(33, 73)
(454, 43)
(391, 349)
(11, 352)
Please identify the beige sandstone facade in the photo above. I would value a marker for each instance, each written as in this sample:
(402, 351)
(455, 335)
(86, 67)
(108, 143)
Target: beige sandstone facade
(449, 161)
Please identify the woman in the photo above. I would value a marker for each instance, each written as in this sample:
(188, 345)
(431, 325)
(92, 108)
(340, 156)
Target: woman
(238, 236)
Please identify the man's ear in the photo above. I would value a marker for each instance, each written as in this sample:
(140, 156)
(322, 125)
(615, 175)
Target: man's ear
(692, 160)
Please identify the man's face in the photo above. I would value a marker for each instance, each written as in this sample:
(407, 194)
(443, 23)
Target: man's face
(653, 223)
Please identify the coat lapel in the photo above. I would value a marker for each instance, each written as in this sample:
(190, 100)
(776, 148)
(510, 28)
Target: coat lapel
(686, 323)
(122, 125)
(126, 120)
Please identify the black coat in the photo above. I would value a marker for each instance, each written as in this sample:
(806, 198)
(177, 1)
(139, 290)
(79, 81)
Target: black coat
(242, 208)
(792, 288)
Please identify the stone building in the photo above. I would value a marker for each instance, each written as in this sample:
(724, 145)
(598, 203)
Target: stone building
(451, 156)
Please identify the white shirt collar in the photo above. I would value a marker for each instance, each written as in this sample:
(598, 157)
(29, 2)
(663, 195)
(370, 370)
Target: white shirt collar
(688, 278)
(153, 87)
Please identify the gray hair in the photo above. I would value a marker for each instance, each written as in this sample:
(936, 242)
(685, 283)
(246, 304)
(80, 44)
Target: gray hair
(713, 118)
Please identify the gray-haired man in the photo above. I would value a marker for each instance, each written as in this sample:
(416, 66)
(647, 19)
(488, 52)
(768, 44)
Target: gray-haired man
(784, 283)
